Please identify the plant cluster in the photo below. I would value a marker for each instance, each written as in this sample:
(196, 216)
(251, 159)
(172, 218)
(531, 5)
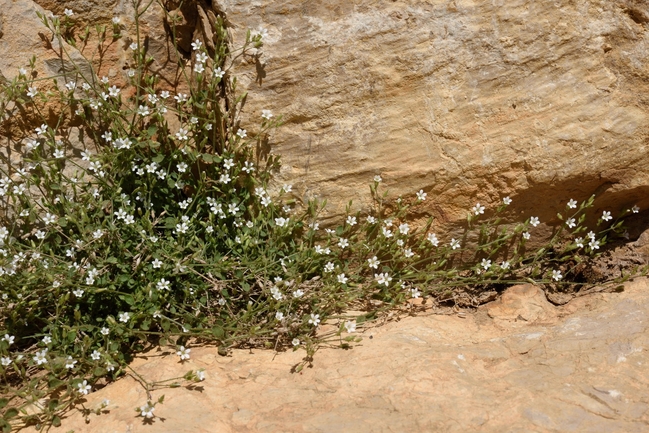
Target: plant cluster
(141, 216)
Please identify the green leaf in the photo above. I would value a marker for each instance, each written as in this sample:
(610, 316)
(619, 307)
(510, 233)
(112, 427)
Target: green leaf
(99, 372)
(52, 404)
(56, 421)
(218, 332)
(63, 222)
(3, 402)
(151, 131)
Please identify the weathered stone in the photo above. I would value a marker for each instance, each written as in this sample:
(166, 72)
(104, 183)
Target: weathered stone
(584, 370)
(521, 304)
(470, 101)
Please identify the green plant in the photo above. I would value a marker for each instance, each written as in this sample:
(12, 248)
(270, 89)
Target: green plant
(161, 235)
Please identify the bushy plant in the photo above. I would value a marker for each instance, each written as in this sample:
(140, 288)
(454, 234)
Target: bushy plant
(135, 216)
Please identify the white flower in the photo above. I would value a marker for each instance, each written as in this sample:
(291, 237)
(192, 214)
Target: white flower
(182, 167)
(228, 163)
(68, 12)
(455, 244)
(31, 92)
(183, 353)
(241, 133)
(572, 204)
(113, 91)
(124, 317)
(408, 253)
(504, 265)
(570, 222)
(40, 358)
(182, 228)
(163, 284)
(635, 209)
(526, 235)
(105, 331)
(477, 209)
(96, 355)
(69, 363)
(218, 73)
(83, 388)
(58, 154)
(579, 242)
(343, 243)
(201, 58)
(248, 167)
(421, 195)
(261, 32)
(279, 315)
(9, 339)
(116, 20)
(377, 178)
(49, 219)
(593, 244)
(591, 235)
(432, 238)
(534, 221)
(266, 114)
(133, 46)
(298, 293)
(200, 375)
(199, 68)
(196, 45)
(606, 216)
(415, 293)
(180, 98)
(350, 327)
(507, 200)
(486, 264)
(404, 229)
(295, 342)
(371, 220)
(147, 410)
(143, 110)
(383, 278)
(79, 292)
(387, 233)
(342, 279)
(373, 262)
(156, 263)
(351, 220)
(329, 267)
(556, 275)
(314, 320)
(22, 72)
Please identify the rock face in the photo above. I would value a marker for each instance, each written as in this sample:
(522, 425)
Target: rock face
(580, 367)
(468, 100)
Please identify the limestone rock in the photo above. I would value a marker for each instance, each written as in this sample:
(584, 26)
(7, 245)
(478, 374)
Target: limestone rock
(469, 101)
(520, 304)
(584, 370)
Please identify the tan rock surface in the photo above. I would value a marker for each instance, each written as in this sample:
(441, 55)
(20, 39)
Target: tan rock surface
(584, 372)
(469, 100)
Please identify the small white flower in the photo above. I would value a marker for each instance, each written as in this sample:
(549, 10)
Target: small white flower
(196, 45)
(387, 233)
(279, 315)
(182, 167)
(593, 244)
(31, 92)
(124, 317)
(49, 219)
(342, 279)
(298, 293)
(9, 339)
(69, 363)
(486, 264)
(383, 278)
(79, 292)
(635, 209)
(507, 201)
(143, 110)
(241, 133)
(183, 353)
(371, 220)
(504, 265)
(200, 375)
(329, 267)
(266, 114)
(295, 342)
(408, 253)
(314, 320)
(350, 327)
(105, 331)
(572, 204)
(415, 293)
(343, 243)
(116, 20)
(373, 262)
(526, 235)
(147, 410)
(133, 46)
(432, 238)
(218, 73)
(455, 244)
(83, 388)
(181, 97)
(404, 228)
(477, 209)
(199, 68)
(556, 275)
(156, 264)
(163, 284)
(58, 154)
(606, 216)
(377, 178)
(96, 355)
(421, 195)
(534, 221)
(40, 357)
(579, 242)
(228, 163)
(570, 222)
(68, 12)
